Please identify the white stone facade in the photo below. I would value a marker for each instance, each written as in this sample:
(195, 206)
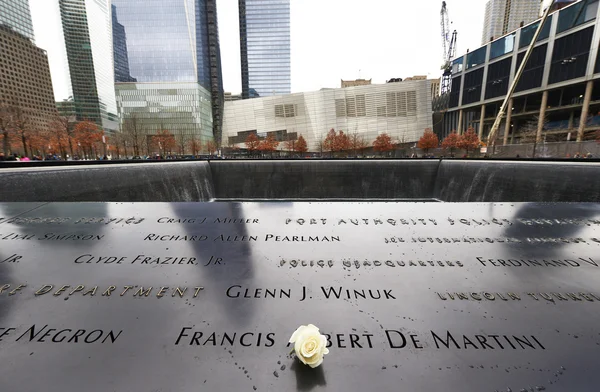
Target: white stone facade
(402, 110)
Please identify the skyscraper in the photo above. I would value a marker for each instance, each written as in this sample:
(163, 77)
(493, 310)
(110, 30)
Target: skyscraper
(504, 16)
(265, 47)
(16, 15)
(26, 97)
(120, 50)
(176, 64)
(77, 35)
(88, 41)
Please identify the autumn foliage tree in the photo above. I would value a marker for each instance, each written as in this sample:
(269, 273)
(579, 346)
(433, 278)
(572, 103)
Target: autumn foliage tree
(468, 141)
(165, 141)
(211, 147)
(450, 142)
(195, 146)
(336, 142)
(428, 141)
(269, 144)
(383, 143)
(290, 145)
(87, 134)
(252, 143)
(301, 146)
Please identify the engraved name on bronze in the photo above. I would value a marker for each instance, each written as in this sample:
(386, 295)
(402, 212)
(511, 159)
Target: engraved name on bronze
(200, 238)
(327, 292)
(46, 334)
(537, 262)
(496, 296)
(241, 238)
(489, 240)
(204, 220)
(14, 258)
(147, 260)
(69, 220)
(52, 237)
(389, 338)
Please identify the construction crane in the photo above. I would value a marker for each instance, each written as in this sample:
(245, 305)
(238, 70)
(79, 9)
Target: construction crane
(449, 49)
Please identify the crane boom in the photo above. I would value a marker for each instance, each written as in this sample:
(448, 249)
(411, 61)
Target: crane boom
(445, 25)
(449, 49)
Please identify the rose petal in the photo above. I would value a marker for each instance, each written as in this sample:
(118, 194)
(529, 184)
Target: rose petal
(297, 333)
(314, 365)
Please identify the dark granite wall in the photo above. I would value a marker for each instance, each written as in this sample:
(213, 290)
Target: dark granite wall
(181, 181)
(447, 180)
(334, 179)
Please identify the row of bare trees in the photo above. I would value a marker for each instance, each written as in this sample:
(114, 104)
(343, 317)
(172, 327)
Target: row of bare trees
(140, 141)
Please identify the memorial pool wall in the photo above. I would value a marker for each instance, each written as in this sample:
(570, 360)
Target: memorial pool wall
(443, 180)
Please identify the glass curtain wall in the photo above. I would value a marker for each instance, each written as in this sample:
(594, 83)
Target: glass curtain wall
(88, 41)
(265, 47)
(15, 13)
(168, 45)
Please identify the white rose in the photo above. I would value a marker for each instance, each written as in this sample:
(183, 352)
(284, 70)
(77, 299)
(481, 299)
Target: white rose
(310, 346)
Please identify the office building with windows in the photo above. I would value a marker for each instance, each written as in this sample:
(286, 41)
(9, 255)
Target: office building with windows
(558, 96)
(265, 47)
(25, 83)
(82, 64)
(15, 14)
(504, 16)
(173, 81)
(402, 110)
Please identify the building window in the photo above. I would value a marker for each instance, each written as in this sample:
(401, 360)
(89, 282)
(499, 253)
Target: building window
(502, 46)
(476, 57)
(287, 110)
(576, 14)
(361, 107)
(528, 32)
(570, 56)
(350, 107)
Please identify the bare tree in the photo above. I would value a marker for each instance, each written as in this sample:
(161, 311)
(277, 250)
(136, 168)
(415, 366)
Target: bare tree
(358, 143)
(63, 125)
(22, 127)
(6, 126)
(321, 147)
(182, 142)
(134, 131)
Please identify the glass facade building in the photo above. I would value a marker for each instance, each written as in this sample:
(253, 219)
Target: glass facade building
(174, 78)
(15, 13)
(265, 47)
(120, 50)
(86, 26)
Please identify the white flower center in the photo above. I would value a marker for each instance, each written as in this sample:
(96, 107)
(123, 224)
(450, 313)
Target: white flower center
(309, 347)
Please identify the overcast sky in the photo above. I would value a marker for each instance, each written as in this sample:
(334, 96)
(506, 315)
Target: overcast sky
(345, 39)
(339, 39)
